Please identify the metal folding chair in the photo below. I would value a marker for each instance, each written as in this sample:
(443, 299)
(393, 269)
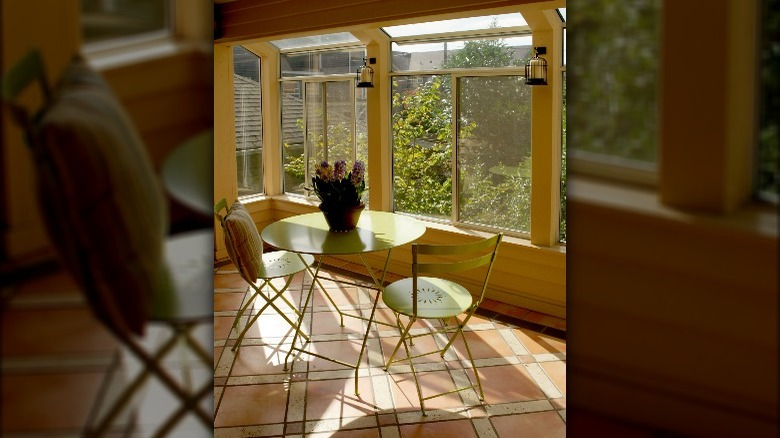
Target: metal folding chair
(168, 281)
(432, 297)
(245, 248)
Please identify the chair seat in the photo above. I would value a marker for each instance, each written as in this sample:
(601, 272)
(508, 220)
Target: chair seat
(436, 297)
(283, 263)
(190, 258)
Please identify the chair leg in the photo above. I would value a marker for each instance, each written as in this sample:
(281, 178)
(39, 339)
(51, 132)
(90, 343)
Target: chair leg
(404, 332)
(152, 365)
(269, 302)
(303, 311)
(414, 373)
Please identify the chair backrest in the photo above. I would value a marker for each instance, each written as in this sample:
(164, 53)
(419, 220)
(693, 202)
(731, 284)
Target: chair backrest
(243, 241)
(103, 206)
(27, 70)
(435, 260)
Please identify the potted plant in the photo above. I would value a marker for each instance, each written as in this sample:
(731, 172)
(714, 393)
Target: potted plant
(340, 193)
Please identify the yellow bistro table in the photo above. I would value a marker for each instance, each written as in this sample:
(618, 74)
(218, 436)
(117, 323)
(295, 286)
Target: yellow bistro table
(377, 231)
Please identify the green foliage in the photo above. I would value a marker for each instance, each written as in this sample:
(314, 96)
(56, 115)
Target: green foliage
(616, 52)
(422, 140)
(494, 161)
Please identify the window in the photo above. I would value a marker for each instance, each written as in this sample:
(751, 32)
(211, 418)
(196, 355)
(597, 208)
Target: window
(494, 151)
(106, 22)
(490, 139)
(249, 121)
(768, 184)
(616, 101)
(562, 219)
(323, 113)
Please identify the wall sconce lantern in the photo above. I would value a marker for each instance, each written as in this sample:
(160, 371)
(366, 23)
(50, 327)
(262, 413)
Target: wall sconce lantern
(536, 68)
(365, 74)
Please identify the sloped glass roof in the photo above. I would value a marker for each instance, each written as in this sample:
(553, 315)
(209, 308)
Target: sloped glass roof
(315, 40)
(458, 24)
(562, 13)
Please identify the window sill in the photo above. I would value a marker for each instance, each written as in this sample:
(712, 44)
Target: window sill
(430, 224)
(753, 218)
(121, 56)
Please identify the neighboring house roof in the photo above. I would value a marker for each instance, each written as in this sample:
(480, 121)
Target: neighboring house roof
(249, 120)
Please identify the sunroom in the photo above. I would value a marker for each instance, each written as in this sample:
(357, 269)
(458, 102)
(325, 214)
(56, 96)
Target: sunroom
(447, 129)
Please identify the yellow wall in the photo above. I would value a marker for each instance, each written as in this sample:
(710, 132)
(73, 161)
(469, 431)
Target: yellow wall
(57, 36)
(531, 274)
(167, 95)
(673, 293)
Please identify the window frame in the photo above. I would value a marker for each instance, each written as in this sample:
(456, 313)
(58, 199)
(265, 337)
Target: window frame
(136, 41)
(455, 74)
(304, 79)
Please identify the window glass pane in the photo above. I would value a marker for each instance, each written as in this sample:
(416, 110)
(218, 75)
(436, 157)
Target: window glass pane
(494, 152)
(108, 20)
(249, 121)
(315, 40)
(292, 137)
(422, 145)
(459, 24)
(769, 140)
(329, 123)
(562, 233)
(361, 132)
(324, 62)
(616, 82)
(473, 53)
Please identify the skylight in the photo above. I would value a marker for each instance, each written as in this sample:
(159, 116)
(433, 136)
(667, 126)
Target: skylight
(458, 24)
(315, 40)
(562, 13)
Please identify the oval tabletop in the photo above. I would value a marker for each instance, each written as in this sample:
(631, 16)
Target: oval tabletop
(309, 234)
(188, 173)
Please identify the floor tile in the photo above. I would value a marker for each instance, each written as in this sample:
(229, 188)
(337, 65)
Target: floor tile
(346, 351)
(251, 405)
(54, 331)
(253, 360)
(537, 343)
(457, 428)
(546, 320)
(229, 281)
(557, 373)
(330, 323)
(432, 382)
(483, 344)
(536, 424)
(508, 383)
(47, 401)
(337, 399)
(228, 301)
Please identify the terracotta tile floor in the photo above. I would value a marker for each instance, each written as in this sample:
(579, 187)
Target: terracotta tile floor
(521, 356)
(57, 360)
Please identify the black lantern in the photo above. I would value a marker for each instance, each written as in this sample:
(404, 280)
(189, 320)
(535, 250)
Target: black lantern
(536, 68)
(365, 75)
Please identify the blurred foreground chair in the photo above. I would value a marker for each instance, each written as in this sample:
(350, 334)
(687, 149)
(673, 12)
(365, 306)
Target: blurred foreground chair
(432, 297)
(245, 248)
(106, 215)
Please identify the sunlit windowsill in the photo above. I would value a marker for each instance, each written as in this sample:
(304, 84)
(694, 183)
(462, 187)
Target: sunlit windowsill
(122, 55)
(754, 218)
(430, 224)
